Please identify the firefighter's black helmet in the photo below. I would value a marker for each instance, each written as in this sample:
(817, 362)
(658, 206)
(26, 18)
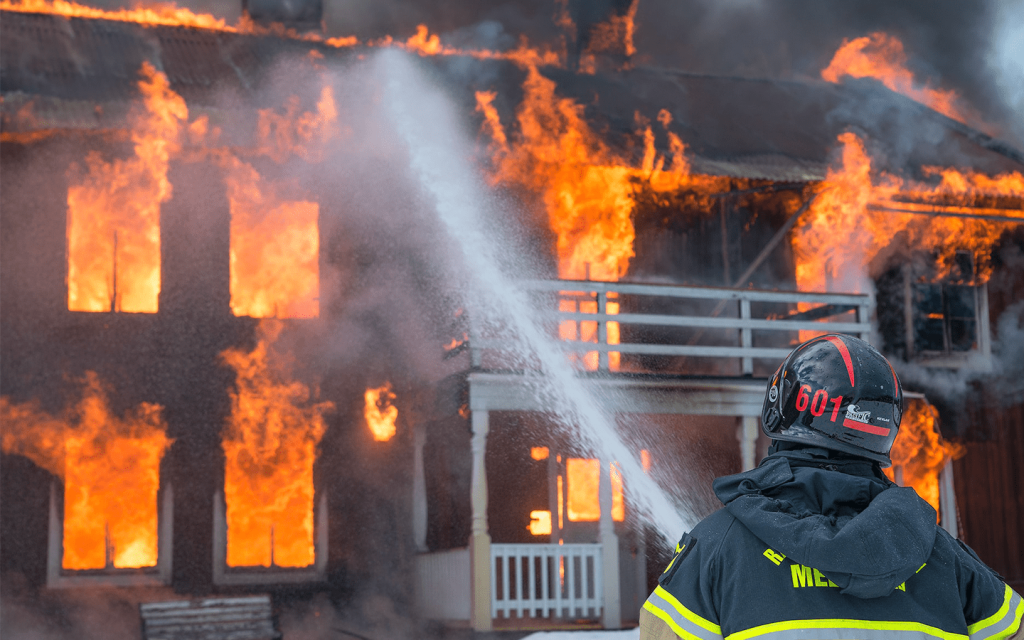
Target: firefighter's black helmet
(835, 392)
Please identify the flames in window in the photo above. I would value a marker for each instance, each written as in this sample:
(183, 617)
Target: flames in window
(582, 484)
(275, 238)
(114, 209)
(858, 212)
(111, 470)
(380, 413)
(270, 444)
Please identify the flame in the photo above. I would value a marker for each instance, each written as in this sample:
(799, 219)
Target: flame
(114, 210)
(168, 14)
(275, 239)
(270, 444)
(881, 56)
(612, 36)
(588, 191)
(539, 453)
(582, 483)
(111, 471)
(645, 460)
(380, 414)
(456, 343)
(275, 246)
(921, 452)
(846, 226)
(540, 523)
(155, 14)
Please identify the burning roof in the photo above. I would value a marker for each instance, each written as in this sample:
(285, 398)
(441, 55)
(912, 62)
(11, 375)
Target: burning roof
(736, 127)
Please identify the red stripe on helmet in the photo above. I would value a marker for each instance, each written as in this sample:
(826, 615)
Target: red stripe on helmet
(843, 351)
(867, 428)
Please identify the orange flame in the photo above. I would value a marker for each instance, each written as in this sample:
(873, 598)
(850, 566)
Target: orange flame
(582, 486)
(111, 472)
(540, 523)
(155, 14)
(588, 191)
(380, 414)
(275, 240)
(275, 246)
(270, 444)
(921, 452)
(881, 56)
(845, 228)
(114, 210)
(612, 36)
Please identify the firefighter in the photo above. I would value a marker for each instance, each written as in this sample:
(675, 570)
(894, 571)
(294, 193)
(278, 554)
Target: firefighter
(816, 542)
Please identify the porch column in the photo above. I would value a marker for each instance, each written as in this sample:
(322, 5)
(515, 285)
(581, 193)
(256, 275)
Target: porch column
(947, 499)
(747, 435)
(480, 540)
(612, 615)
(419, 490)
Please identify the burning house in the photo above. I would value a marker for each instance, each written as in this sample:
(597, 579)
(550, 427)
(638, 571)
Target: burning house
(237, 355)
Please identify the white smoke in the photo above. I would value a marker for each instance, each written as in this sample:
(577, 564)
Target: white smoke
(1006, 60)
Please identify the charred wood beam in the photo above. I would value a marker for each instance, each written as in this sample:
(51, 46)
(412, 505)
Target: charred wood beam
(768, 188)
(774, 242)
(1004, 215)
(761, 257)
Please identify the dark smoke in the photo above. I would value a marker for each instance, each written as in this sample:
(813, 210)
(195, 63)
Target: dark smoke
(949, 45)
(973, 47)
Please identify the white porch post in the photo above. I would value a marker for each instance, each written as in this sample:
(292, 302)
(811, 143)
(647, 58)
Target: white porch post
(480, 539)
(947, 499)
(747, 435)
(419, 490)
(612, 614)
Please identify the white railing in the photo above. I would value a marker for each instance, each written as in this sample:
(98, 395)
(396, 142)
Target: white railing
(757, 324)
(546, 581)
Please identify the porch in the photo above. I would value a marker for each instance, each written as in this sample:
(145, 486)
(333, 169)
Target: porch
(648, 349)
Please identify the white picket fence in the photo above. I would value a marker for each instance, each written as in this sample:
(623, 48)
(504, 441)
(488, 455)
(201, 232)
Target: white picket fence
(560, 581)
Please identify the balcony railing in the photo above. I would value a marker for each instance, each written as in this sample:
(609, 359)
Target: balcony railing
(559, 581)
(600, 322)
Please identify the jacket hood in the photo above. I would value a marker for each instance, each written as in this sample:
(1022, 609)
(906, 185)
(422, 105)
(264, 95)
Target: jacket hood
(842, 517)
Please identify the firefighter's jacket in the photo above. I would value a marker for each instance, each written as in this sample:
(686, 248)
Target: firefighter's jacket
(813, 548)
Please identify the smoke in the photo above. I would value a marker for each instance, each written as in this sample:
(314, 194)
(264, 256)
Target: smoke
(1001, 377)
(72, 614)
(1005, 58)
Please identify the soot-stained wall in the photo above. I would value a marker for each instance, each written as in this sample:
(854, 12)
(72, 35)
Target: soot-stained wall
(173, 358)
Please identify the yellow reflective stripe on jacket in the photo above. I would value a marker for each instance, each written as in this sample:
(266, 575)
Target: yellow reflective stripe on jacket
(1004, 622)
(841, 629)
(685, 623)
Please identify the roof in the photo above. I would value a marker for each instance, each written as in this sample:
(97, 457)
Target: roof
(740, 127)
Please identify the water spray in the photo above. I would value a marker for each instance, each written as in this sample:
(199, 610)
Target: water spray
(438, 154)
